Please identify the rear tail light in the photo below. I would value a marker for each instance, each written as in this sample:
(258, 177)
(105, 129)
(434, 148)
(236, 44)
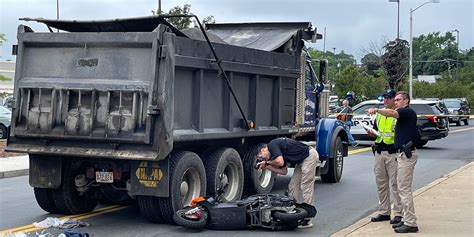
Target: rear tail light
(433, 118)
(341, 117)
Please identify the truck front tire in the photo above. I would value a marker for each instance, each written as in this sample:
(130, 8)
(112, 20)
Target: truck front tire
(336, 162)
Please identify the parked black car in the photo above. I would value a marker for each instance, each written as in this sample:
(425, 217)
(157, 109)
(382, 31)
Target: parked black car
(432, 121)
(458, 111)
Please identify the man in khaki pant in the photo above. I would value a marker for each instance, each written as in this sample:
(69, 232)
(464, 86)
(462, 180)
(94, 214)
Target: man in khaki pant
(406, 131)
(385, 165)
(283, 152)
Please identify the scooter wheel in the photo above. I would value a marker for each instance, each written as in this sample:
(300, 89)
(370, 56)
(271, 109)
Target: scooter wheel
(299, 214)
(193, 223)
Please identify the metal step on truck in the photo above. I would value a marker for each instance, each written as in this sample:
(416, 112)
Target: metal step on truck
(122, 109)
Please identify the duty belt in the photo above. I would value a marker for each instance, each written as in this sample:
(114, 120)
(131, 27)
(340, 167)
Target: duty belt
(389, 149)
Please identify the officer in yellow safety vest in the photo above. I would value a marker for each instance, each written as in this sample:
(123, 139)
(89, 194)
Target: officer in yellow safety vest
(385, 167)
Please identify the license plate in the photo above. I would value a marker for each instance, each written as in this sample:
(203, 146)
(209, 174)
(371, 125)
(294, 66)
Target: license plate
(104, 177)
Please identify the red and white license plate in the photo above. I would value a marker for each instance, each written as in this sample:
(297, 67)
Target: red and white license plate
(104, 177)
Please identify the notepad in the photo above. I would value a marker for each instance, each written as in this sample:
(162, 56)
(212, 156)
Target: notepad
(371, 130)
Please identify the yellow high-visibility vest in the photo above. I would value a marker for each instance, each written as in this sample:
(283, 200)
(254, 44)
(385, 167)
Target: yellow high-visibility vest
(386, 129)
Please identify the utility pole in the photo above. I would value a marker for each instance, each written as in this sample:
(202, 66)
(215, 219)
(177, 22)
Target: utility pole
(159, 7)
(57, 10)
(324, 41)
(457, 54)
(334, 49)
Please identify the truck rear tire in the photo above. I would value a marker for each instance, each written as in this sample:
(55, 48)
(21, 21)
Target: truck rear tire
(68, 200)
(45, 200)
(466, 121)
(224, 170)
(187, 177)
(336, 163)
(256, 181)
(150, 208)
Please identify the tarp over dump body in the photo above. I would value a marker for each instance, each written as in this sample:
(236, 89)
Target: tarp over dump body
(263, 36)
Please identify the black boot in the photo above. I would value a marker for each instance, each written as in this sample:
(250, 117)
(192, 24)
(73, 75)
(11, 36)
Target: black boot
(380, 218)
(396, 219)
(406, 229)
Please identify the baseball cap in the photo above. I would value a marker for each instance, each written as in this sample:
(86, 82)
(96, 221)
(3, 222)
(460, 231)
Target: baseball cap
(389, 93)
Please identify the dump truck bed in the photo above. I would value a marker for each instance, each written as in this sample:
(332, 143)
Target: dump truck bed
(142, 92)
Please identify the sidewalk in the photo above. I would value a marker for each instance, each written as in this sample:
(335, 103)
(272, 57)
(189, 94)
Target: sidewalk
(14, 166)
(444, 207)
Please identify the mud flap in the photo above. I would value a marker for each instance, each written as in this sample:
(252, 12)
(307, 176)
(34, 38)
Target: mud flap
(150, 178)
(45, 171)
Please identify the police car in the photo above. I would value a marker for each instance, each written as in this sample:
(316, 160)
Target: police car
(433, 123)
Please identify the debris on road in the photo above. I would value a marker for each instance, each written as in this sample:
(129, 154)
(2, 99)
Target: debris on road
(65, 223)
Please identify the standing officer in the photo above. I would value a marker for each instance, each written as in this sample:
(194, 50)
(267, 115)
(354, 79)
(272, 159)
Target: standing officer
(406, 131)
(385, 165)
(283, 152)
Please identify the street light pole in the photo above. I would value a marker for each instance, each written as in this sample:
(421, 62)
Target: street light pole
(398, 17)
(410, 79)
(457, 54)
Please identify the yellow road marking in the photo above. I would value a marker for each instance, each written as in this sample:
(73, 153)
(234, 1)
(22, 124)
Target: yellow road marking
(360, 150)
(99, 211)
(461, 130)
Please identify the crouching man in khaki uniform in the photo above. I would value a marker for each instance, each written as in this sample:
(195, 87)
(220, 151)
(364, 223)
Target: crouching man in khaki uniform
(283, 152)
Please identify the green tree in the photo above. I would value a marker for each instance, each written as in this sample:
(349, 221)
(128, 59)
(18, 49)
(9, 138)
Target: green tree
(4, 78)
(3, 38)
(371, 63)
(395, 53)
(365, 86)
(434, 53)
(209, 20)
(342, 59)
(180, 22)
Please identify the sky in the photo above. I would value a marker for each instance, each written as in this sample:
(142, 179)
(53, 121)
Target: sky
(350, 24)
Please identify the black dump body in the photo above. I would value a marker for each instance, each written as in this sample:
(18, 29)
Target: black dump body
(136, 88)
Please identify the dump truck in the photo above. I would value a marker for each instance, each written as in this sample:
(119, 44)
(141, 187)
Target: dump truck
(113, 110)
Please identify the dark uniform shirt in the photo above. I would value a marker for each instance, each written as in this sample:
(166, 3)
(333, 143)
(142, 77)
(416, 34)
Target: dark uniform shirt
(293, 152)
(406, 129)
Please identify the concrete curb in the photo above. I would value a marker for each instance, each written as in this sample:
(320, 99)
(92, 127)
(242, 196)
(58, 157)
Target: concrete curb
(14, 173)
(366, 220)
(14, 166)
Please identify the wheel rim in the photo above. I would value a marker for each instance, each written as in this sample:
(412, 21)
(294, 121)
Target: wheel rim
(339, 159)
(264, 177)
(190, 186)
(229, 179)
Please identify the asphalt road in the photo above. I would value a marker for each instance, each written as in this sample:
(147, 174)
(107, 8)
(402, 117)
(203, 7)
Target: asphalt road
(339, 205)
